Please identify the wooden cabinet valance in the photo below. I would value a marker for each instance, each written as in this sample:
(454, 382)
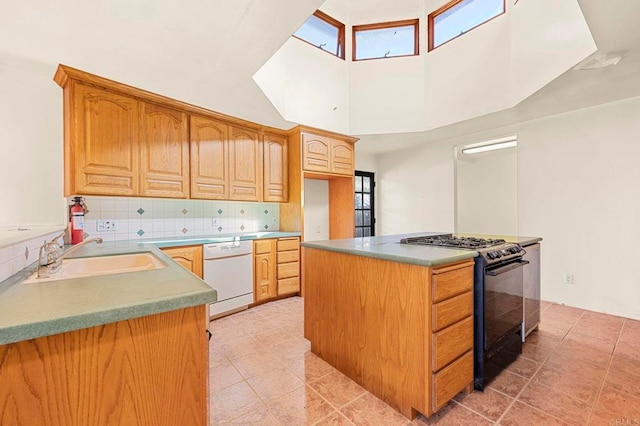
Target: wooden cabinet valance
(124, 141)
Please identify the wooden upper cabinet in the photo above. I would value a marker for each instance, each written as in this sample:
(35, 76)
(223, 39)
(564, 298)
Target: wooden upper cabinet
(276, 176)
(164, 152)
(102, 149)
(124, 141)
(341, 157)
(316, 153)
(327, 155)
(245, 165)
(209, 158)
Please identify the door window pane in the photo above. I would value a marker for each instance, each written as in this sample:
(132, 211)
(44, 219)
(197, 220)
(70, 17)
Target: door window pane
(366, 216)
(358, 201)
(359, 232)
(359, 218)
(365, 201)
(358, 183)
(366, 187)
(367, 232)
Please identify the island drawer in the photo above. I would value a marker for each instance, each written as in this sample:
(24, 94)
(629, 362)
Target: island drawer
(288, 286)
(288, 270)
(452, 310)
(451, 283)
(288, 256)
(451, 380)
(452, 342)
(288, 244)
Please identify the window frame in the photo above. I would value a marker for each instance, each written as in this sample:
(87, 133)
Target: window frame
(431, 17)
(334, 23)
(383, 25)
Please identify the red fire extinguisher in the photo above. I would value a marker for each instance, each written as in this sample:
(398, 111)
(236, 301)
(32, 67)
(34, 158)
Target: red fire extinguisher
(76, 218)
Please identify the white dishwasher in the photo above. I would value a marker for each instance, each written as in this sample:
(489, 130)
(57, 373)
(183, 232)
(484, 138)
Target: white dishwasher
(228, 267)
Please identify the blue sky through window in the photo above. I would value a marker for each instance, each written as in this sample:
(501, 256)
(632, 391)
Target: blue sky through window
(463, 17)
(320, 34)
(385, 42)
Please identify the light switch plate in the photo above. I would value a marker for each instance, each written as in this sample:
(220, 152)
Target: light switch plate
(106, 225)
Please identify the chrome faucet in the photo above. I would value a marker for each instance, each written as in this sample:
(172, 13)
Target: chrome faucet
(50, 255)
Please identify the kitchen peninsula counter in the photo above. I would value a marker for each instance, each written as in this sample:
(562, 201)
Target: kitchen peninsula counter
(31, 310)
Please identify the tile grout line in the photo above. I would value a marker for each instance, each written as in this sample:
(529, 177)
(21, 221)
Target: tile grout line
(472, 410)
(534, 374)
(606, 373)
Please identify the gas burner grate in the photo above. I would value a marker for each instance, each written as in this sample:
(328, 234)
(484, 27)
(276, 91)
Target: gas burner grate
(451, 241)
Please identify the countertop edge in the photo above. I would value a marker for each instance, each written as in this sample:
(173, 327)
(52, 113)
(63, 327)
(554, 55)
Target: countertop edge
(78, 322)
(395, 258)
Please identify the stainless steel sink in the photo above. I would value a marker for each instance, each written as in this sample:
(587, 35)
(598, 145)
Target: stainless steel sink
(102, 265)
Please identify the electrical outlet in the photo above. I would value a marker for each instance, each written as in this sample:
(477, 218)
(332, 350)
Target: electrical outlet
(568, 278)
(106, 225)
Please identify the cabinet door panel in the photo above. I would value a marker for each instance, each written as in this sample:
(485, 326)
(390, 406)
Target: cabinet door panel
(341, 157)
(276, 181)
(245, 165)
(264, 269)
(316, 153)
(164, 152)
(106, 142)
(209, 159)
(189, 257)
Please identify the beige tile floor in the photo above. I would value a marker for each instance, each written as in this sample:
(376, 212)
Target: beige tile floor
(579, 368)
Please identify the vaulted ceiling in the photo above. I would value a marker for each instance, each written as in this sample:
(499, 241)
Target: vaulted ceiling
(206, 53)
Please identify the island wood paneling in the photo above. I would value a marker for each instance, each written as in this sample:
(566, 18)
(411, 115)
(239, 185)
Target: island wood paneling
(143, 371)
(370, 319)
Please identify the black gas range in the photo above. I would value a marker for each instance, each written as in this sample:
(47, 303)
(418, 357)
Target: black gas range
(498, 300)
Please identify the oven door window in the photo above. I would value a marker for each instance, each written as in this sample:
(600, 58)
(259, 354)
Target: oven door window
(503, 300)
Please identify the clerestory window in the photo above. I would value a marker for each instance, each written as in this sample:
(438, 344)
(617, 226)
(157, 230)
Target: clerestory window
(323, 32)
(459, 17)
(385, 40)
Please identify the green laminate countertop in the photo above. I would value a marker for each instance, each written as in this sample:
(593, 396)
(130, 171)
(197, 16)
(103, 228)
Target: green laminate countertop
(217, 238)
(40, 309)
(388, 247)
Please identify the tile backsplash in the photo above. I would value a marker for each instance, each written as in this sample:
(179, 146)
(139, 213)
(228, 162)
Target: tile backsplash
(17, 256)
(143, 218)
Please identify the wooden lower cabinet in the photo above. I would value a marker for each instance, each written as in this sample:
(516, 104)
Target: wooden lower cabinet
(276, 268)
(189, 257)
(377, 322)
(151, 370)
(264, 270)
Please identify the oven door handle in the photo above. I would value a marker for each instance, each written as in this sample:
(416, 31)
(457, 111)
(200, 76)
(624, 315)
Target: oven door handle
(506, 268)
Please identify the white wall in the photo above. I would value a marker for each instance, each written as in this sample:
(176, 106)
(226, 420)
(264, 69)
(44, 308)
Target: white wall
(487, 192)
(577, 189)
(31, 163)
(316, 209)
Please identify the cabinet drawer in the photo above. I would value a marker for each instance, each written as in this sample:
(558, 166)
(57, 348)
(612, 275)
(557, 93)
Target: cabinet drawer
(288, 244)
(451, 380)
(288, 270)
(288, 256)
(288, 286)
(262, 246)
(452, 310)
(452, 342)
(452, 283)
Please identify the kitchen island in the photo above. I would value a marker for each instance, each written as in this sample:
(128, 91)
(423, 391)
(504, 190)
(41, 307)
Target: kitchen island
(129, 348)
(396, 319)
(399, 318)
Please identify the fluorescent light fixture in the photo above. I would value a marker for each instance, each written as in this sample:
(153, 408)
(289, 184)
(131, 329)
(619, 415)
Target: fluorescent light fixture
(507, 142)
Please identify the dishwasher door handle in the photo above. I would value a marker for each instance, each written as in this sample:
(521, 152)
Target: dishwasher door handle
(231, 256)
